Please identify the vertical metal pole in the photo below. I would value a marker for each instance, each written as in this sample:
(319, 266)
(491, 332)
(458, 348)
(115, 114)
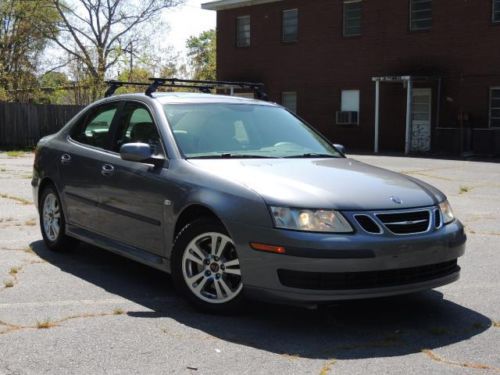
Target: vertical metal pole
(377, 115)
(408, 116)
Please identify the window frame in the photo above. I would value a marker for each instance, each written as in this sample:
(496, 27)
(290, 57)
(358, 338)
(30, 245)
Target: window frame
(410, 16)
(283, 94)
(237, 32)
(344, 19)
(357, 123)
(495, 11)
(84, 121)
(491, 108)
(283, 40)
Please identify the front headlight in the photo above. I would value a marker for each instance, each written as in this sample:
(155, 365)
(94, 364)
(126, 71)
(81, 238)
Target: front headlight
(310, 220)
(446, 212)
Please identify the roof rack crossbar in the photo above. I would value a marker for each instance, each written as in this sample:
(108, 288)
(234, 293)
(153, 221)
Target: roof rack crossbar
(204, 86)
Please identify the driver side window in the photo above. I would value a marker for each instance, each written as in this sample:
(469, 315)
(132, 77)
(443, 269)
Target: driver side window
(137, 126)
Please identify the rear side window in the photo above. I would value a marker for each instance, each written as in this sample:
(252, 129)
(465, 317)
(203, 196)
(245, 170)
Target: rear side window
(95, 129)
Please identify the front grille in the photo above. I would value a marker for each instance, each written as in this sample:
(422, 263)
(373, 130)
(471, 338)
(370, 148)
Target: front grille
(437, 218)
(368, 224)
(406, 222)
(365, 280)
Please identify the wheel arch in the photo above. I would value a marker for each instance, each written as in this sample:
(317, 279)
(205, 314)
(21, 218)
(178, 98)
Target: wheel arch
(46, 181)
(191, 213)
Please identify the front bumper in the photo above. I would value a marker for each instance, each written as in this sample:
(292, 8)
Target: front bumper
(334, 255)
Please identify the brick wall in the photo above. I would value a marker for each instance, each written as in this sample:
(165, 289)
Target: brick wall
(463, 47)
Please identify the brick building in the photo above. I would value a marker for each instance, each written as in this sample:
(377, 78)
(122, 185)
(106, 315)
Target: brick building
(352, 68)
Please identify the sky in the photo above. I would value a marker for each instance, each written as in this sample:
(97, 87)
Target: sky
(188, 20)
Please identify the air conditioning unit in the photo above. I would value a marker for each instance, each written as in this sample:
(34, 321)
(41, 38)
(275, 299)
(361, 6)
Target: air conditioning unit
(347, 118)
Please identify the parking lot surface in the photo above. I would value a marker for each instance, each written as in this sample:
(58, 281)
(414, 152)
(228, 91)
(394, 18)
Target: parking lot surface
(91, 312)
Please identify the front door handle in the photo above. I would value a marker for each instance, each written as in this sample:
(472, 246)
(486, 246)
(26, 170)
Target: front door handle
(107, 170)
(65, 158)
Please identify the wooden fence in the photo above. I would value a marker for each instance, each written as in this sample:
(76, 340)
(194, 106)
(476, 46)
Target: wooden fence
(23, 124)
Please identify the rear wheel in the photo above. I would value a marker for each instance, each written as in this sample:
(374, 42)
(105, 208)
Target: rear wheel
(52, 221)
(206, 267)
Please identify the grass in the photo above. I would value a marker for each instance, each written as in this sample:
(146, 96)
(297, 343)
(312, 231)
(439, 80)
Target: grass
(8, 283)
(15, 153)
(118, 311)
(325, 370)
(28, 250)
(17, 199)
(495, 324)
(3, 169)
(45, 324)
(464, 189)
(14, 270)
(30, 222)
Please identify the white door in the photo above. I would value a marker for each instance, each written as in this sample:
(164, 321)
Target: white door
(421, 120)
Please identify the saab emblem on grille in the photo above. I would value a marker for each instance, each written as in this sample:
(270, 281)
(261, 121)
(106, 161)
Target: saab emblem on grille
(396, 200)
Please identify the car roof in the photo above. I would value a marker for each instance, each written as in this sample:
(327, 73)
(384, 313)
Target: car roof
(191, 97)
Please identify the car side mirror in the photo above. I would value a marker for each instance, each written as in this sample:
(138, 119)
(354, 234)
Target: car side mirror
(139, 152)
(341, 148)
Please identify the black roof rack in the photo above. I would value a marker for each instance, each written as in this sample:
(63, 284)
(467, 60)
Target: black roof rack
(205, 86)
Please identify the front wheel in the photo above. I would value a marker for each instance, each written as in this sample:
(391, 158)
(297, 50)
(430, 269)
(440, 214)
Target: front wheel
(206, 267)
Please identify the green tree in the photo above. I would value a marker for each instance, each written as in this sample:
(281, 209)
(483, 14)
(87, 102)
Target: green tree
(24, 26)
(202, 55)
(55, 88)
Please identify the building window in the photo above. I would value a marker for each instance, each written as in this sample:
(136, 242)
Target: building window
(420, 15)
(290, 25)
(289, 100)
(495, 107)
(353, 10)
(496, 10)
(349, 108)
(243, 31)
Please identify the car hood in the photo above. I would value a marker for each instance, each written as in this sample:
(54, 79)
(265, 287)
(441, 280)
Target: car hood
(342, 183)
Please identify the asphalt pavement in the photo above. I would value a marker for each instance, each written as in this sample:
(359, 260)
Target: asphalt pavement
(91, 312)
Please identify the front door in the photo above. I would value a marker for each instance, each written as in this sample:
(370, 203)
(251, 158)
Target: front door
(133, 194)
(421, 120)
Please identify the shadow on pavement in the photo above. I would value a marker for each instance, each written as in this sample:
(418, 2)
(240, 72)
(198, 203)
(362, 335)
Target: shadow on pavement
(348, 330)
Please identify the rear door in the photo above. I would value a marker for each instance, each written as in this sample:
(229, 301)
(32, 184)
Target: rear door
(133, 194)
(80, 166)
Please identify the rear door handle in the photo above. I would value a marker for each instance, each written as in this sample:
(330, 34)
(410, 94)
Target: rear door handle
(65, 158)
(107, 170)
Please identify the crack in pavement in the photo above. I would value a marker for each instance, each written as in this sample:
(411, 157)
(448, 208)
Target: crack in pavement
(16, 199)
(14, 273)
(437, 358)
(47, 324)
(327, 367)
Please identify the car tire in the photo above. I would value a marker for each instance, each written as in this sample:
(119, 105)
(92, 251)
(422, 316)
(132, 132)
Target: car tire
(207, 273)
(52, 222)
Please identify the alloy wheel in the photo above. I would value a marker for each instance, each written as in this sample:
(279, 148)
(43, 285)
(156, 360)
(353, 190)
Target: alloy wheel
(211, 268)
(51, 217)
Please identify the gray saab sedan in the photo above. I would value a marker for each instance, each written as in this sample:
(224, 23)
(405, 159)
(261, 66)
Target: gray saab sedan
(238, 197)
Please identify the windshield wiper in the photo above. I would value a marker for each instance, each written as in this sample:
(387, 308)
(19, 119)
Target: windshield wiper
(311, 155)
(231, 156)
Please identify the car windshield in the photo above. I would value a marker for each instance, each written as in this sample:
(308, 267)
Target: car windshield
(221, 130)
